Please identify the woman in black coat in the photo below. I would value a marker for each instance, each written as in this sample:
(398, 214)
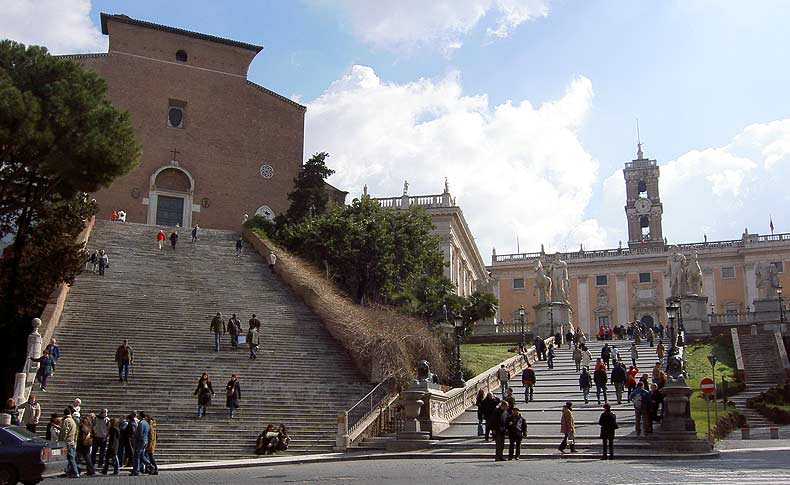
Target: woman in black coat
(113, 444)
(608, 424)
(204, 393)
(481, 395)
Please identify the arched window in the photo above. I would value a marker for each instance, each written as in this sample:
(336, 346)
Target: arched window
(644, 224)
(181, 56)
(642, 188)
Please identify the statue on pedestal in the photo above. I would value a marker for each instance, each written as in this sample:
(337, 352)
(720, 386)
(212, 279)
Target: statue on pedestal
(766, 279)
(676, 269)
(542, 283)
(559, 280)
(694, 276)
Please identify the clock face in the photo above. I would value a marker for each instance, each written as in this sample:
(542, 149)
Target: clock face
(643, 206)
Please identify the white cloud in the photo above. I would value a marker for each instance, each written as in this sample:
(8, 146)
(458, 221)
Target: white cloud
(63, 26)
(411, 24)
(720, 191)
(516, 169)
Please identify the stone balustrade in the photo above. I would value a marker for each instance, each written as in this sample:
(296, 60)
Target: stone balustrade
(406, 201)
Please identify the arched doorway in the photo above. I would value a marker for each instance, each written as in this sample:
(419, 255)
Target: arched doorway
(647, 321)
(170, 197)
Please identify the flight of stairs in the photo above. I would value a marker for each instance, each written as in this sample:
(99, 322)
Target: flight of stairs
(553, 389)
(163, 302)
(763, 370)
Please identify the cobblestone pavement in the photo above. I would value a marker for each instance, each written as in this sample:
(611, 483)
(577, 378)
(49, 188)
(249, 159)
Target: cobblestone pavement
(742, 467)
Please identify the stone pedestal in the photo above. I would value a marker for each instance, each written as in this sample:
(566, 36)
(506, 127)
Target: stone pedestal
(545, 313)
(677, 430)
(411, 437)
(695, 315)
(766, 309)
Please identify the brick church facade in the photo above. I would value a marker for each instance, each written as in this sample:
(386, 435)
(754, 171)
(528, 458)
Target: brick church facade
(216, 146)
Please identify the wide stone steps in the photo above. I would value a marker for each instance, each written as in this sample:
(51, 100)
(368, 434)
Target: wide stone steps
(163, 302)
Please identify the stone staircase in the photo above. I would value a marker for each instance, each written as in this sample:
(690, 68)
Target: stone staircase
(763, 370)
(163, 302)
(554, 387)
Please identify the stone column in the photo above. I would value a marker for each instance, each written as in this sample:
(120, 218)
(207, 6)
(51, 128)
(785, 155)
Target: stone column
(621, 292)
(343, 439)
(583, 297)
(749, 283)
(709, 286)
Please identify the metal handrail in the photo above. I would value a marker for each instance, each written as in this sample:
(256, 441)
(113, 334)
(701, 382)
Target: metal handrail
(370, 394)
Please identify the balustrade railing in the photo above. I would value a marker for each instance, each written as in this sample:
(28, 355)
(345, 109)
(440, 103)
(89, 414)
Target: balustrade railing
(372, 415)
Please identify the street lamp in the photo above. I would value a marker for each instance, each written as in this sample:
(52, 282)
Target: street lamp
(781, 304)
(672, 314)
(712, 359)
(521, 313)
(459, 331)
(551, 317)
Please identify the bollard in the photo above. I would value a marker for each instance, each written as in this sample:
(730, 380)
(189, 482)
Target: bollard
(774, 433)
(744, 433)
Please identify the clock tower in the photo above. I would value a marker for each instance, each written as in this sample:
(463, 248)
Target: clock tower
(643, 207)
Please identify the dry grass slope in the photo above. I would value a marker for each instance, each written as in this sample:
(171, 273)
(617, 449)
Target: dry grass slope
(381, 341)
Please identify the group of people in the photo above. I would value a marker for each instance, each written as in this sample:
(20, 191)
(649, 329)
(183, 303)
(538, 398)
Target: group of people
(161, 237)
(47, 363)
(97, 261)
(272, 440)
(118, 215)
(205, 392)
(94, 439)
(502, 420)
(218, 327)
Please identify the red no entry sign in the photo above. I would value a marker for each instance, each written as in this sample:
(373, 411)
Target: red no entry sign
(706, 385)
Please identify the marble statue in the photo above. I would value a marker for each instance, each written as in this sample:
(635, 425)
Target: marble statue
(560, 284)
(694, 276)
(766, 278)
(542, 283)
(365, 190)
(446, 186)
(405, 187)
(676, 269)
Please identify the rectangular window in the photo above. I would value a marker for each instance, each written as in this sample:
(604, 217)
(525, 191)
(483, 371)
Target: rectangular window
(603, 322)
(601, 280)
(779, 265)
(728, 272)
(645, 277)
(518, 283)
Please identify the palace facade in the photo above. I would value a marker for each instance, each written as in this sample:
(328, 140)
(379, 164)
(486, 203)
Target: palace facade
(614, 286)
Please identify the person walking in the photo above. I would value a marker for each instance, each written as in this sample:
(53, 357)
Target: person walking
(577, 357)
(232, 394)
(516, 431)
(528, 380)
(501, 417)
(634, 354)
(255, 323)
(140, 444)
(95, 261)
(640, 399)
(490, 404)
(586, 356)
(504, 376)
(551, 355)
(150, 448)
(608, 423)
(31, 413)
(100, 429)
(113, 442)
(239, 246)
(618, 380)
(204, 393)
(68, 433)
(567, 428)
(128, 429)
(479, 398)
(615, 355)
(46, 368)
(53, 349)
(53, 428)
(606, 354)
(660, 351)
(651, 336)
(253, 340)
(585, 383)
(234, 329)
(509, 399)
(569, 338)
(195, 233)
(160, 238)
(124, 357)
(272, 261)
(217, 327)
(104, 262)
(173, 239)
(84, 442)
(630, 380)
(600, 379)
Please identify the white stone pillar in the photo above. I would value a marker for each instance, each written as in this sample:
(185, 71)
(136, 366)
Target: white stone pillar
(665, 286)
(343, 439)
(583, 297)
(750, 284)
(20, 382)
(33, 346)
(621, 292)
(709, 286)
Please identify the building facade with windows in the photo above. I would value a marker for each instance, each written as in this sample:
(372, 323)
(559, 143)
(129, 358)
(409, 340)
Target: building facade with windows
(614, 286)
(216, 146)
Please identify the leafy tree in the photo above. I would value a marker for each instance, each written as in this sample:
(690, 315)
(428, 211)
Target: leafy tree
(479, 306)
(309, 196)
(60, 138)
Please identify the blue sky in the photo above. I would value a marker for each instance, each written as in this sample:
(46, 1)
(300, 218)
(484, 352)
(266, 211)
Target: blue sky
(548, 90)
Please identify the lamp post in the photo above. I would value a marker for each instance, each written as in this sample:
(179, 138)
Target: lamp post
(672, 314)
(551, 317)
(712, 359)
(459, 330)
(781, 305)
(521, 313)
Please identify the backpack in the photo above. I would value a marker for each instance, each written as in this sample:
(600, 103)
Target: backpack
(638, 401)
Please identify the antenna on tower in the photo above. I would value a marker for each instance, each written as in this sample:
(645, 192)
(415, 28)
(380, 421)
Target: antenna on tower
(639, 154)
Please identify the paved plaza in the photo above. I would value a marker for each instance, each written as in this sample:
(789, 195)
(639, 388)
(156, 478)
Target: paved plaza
(766, 464)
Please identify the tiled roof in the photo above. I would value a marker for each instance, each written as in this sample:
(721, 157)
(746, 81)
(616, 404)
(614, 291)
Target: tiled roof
(278, 96)
(165, 28)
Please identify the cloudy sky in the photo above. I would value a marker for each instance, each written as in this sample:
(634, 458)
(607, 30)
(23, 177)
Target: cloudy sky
(527, 106)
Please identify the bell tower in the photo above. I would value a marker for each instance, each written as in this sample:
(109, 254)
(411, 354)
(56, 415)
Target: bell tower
(643, 207)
